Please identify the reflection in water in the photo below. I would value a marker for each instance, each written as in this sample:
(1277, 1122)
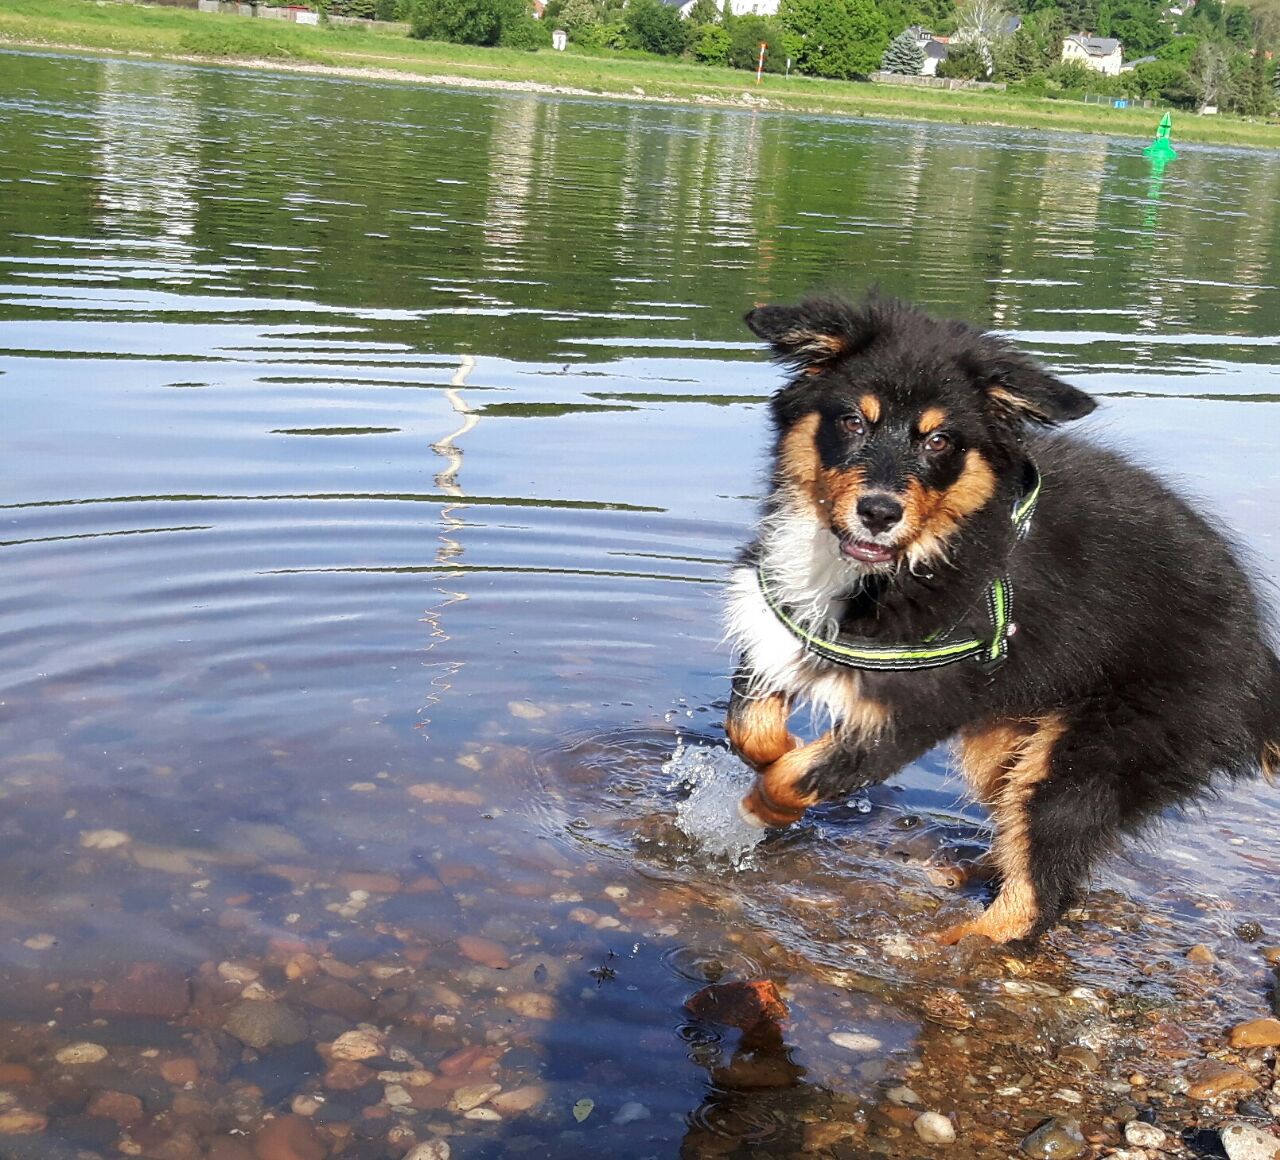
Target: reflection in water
(227, 842)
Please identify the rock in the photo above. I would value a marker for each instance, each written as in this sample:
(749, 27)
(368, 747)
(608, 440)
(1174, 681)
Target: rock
(17, 1122)
(485, 1114)
(180, 1072)
(743, 1005)
(1142, 1135)
(225, 1148)
(1256, 1033)
(519, 1100)
(395, 1095)
(473, 1095)
(532, 1005)
(146, 989)
(289, 1138)
(431, 1150)
(934, 1128)
(1201, 954)
(1208, 1078)
(1055, 1140)
(370, 883)
(262, 1023)
(1081, 1058)
(339, 998)
(630, 1112)
(902, 1095)
(442, 795)
(525, 710)
(104, 839)
(12, 1074)
(234, 972)
(484, 951)
(81, 1053)
(1245, 1142)
(119, 1106)
(855, 1041)
(354, 1046)
(347, 1076)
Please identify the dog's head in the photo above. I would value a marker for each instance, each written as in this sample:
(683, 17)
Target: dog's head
(896, 427)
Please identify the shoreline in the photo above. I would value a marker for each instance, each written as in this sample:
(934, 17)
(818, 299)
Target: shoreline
(137, 32)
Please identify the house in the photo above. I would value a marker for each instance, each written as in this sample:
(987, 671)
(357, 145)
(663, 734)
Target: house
(1100, 53)
(1130, 65)
(737, 7)
(935, 52)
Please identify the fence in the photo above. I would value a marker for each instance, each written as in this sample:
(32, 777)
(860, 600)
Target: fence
(296, 13)
(951, 83)
(1118, 102)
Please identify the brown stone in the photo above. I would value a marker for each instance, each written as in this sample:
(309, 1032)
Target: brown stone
(742, 1005)
(338, 997)
(226, 1148)
(1208, 1078)
(373, 883)
(15, 1073)
(461, 1061)
(289, 1138)
(347, 1075)
(119, 1106)
(484, 951)
(180, 1071)
(519, 1100)
(17, 1122)
(148, 989)
(1201, 954)
(1256, 1033)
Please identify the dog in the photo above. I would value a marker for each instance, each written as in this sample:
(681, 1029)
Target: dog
(932, 563)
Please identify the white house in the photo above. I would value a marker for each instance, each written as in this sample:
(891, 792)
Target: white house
(737, 7)
(1100, 53)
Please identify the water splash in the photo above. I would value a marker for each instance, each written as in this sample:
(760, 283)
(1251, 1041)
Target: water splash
(715, 781)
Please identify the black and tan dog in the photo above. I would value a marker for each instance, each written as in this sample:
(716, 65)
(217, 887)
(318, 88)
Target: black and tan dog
(928, 567)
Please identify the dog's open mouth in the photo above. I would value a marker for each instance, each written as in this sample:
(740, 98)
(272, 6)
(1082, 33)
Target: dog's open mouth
(866, 552)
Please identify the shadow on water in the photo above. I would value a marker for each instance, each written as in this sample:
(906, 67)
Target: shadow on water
(372, 459)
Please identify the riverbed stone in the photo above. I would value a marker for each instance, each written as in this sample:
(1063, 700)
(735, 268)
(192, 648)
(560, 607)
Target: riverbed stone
(263, 1023)
(1142, 1135)
(122, 1107)
(18, 1122)
(79, 1054)
(472, 1095)
(431, 1150)
(1256, 1033)
(356, 1046)
(1209, 1078)
(934, 1128)
(289, 1138)
(1245, 1142)
(1055, 1139)
(145, 989)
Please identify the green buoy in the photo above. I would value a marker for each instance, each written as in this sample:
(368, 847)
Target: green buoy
(1161, 149)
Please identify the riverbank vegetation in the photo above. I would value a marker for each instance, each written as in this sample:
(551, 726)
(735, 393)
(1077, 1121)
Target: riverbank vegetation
(584, 68)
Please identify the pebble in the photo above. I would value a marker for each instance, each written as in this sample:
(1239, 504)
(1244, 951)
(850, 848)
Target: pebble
(484, 951)
(262, 1023)
(125, 1109)
(237, 972)
(1142, 1135)
(903, 1095)
(1207, 1078)
(934, 1128)
(40, 942)
(630, 1112)
(1081, 1057)
(431, 1150)
(519, 1100)
(19, 1123)
(1256, 1033)
(854, 1041)
(289, 1138)
(81, 1053)
(1055, 1140)
(354, 1046)
(1245, 1142)
(472, 1095)
(104, 839)
(1201, 954)
(306, 1104)
(482, 1114)
(525, 710)
(532, 1005)
(396, 1096)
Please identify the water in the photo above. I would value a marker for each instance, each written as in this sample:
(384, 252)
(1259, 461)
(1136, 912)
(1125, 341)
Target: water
(371, 460)
(714, 781)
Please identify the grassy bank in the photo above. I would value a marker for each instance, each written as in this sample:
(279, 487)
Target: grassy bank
(182, 33)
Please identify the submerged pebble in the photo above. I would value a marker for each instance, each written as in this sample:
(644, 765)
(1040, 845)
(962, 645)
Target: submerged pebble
(934, 1128)
(1055, 1140)
(1245, 1142)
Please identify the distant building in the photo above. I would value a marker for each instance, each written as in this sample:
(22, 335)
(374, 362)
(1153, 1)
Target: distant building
(1130, 65)
(1100, 53)
(737, 7)
(935, 52)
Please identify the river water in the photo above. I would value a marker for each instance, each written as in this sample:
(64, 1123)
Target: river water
(371, 458)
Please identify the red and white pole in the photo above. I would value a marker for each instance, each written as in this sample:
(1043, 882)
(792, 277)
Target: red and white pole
(760, 66)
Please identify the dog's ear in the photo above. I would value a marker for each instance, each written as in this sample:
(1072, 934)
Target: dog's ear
(1019, 389)
(814, 334)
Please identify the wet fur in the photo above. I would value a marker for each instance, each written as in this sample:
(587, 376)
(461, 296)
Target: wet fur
(1140, 671)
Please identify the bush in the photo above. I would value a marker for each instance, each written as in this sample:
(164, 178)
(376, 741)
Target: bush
(965, 62)
(526, 33)
(1074, 76)
(711, 44)
(746, 34)
(464, 21)
(655, 27)
(835, 38)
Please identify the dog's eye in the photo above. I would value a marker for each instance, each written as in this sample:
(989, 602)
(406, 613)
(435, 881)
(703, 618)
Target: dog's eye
(853, 424)
(937, 442)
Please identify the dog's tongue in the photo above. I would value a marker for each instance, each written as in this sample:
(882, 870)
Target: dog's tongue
(867, 552)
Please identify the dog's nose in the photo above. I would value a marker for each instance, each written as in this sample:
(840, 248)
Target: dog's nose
(879, 512)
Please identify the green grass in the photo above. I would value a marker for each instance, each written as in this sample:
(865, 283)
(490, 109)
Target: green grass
(172, 32)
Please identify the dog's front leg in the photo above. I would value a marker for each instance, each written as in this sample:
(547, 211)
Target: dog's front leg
(781, 794)
(757, 723)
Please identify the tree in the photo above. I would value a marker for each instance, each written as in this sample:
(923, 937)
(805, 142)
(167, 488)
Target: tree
(576, 15)
(904, 56)
(704, 12)
(835, 38)
(710, 44)
(747, 34)
(655, 27)
(984, 24)
(1163, 79)
(464, 21)
(1018, 57)
(1210, 71)
(1238, 24)
(965, 61)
